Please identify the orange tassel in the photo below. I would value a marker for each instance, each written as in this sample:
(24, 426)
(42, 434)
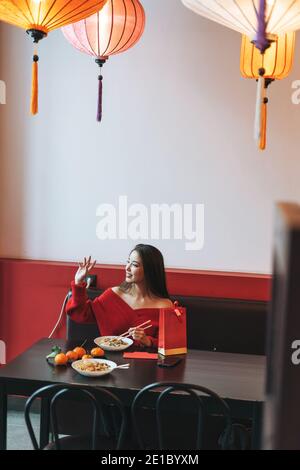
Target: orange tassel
(263, 128)
(34, 86)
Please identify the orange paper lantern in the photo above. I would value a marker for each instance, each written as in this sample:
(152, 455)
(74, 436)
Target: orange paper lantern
(39, 17)
(275, 64)
(277, 60)
(115, 29)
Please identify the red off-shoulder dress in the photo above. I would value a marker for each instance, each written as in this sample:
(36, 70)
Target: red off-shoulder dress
(112, 314)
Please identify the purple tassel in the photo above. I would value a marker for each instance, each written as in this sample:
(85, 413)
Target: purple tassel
(261, 41)
(99, 110)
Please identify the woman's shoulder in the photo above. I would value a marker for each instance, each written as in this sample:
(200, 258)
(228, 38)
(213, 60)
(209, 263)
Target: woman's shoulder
(107, 294)
(115, 289)
(157, 302)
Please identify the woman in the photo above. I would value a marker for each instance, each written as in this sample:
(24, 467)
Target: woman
(137, 300)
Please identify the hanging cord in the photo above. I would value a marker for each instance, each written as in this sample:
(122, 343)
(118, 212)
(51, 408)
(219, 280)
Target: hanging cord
(62, 311)
(60, 316)
(100, 62)
(34, 84)
(261, 41)
(260, 95)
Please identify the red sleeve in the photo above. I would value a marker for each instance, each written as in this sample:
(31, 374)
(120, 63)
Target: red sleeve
(79, 307)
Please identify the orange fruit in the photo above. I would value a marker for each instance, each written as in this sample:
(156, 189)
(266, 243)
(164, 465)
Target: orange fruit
(72, 355)
(60, 359)
(97, 352)
(87, 356)
(80, 351)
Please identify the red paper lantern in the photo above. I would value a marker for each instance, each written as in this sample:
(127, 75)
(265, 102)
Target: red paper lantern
(116, 28)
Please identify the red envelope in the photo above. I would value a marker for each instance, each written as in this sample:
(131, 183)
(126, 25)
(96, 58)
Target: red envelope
(140, 355)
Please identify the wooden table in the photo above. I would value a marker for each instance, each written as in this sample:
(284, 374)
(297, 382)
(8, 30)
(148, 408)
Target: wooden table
(238, 378)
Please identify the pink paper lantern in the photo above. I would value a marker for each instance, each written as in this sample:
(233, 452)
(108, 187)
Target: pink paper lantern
(116, 28)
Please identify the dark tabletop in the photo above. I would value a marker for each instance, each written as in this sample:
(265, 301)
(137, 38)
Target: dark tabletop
(232, 376)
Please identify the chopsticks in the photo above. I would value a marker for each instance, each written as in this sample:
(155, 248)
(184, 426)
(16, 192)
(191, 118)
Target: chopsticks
(127, 336)
(126, 333)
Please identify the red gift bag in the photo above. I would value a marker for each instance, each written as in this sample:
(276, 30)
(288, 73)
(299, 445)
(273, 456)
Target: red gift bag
(172, 331)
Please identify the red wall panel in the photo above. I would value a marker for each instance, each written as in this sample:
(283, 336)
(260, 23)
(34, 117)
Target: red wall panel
(32, 293)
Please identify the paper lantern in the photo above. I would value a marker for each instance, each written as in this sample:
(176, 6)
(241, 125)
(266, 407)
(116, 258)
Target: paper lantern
(263, 21)
(275, 64)
(115, 29)
(260, 20)
(277, 59)
(39, 17)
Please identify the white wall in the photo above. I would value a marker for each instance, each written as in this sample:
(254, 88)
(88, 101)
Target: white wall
(177, 127)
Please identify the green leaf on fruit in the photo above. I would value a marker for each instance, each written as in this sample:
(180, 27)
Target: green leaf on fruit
(55, 350)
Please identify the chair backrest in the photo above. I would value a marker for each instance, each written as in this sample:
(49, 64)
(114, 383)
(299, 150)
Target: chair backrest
(79, 331)
(97, 398)
(202, 405)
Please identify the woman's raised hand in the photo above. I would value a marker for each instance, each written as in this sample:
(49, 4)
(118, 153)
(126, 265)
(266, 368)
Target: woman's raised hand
(84, 268)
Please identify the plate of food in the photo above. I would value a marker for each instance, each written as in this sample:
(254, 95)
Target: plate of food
(94, 367)
(113, 343)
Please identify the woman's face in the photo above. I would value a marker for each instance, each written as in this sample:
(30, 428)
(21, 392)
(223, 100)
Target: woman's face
(134, 268)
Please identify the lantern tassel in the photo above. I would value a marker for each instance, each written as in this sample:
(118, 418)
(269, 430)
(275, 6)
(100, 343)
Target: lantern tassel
(100, 61)
(263, 129)
(100, 88)
(259, 102)
(258, 107)
(34, 86)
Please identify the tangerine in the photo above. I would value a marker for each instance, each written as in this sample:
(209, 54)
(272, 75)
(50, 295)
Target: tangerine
(80, 351)
(87, 356)
(97, 352)
(72, 355)
(61, 359)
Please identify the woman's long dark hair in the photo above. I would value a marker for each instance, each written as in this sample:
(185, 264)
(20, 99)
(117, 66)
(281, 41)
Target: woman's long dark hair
(154, 271)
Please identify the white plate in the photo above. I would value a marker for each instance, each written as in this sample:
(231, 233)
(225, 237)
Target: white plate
(112, 365)
(99, 342)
